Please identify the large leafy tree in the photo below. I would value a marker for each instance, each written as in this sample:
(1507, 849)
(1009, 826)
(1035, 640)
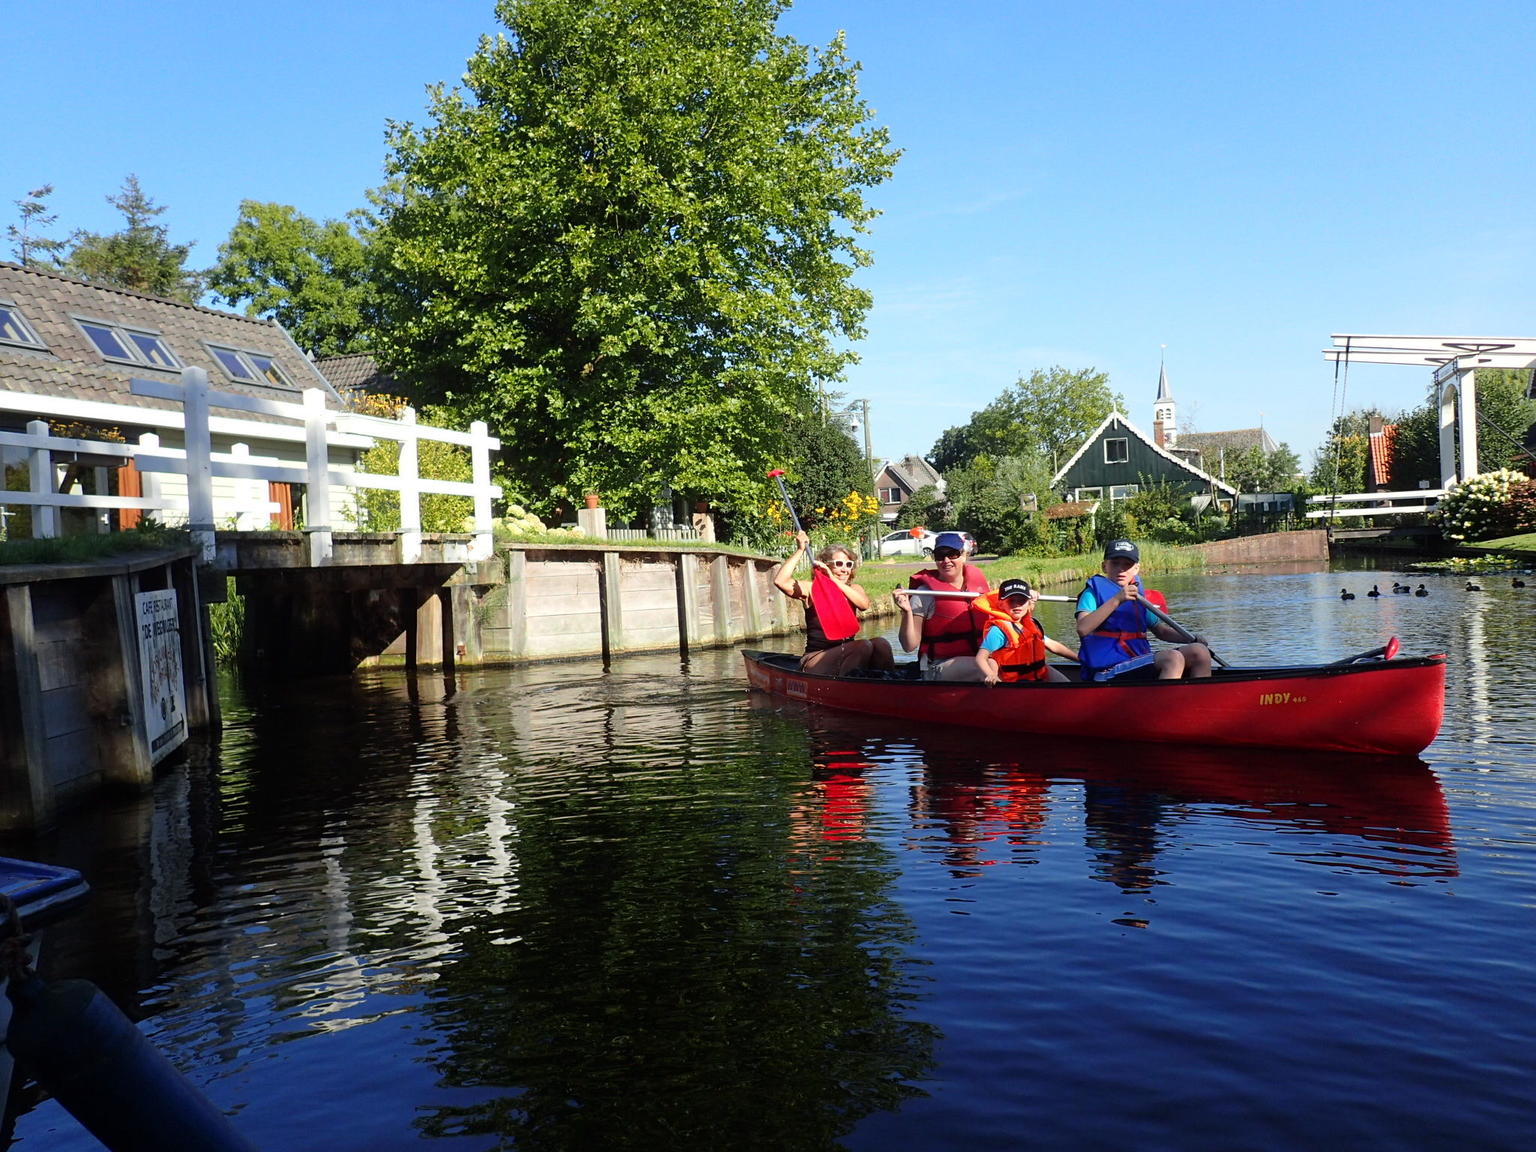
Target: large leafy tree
(629, 243)
(141, 257)
(1050, 412)
(1255, 470)
(1505, 419)
(311, 277)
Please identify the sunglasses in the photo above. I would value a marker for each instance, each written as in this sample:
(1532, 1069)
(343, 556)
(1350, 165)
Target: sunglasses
(945, 554)
(840, 563)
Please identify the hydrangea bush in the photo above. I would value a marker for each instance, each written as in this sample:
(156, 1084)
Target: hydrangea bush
(1481, 508)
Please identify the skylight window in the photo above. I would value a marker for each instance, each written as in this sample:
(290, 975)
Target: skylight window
(14, 328)
(129, 345)
(250, 367)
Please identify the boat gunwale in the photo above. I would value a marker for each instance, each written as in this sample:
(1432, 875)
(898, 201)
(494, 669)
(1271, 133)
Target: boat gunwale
(1218, 676)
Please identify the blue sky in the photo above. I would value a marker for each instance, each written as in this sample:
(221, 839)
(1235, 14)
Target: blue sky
(1082, 183)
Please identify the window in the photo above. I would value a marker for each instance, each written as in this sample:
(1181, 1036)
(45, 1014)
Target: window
(1089, 494)
(128, 345)
(890, 495)
(250, 367)
(1123, 491)
(1117, 450)
(14, 328)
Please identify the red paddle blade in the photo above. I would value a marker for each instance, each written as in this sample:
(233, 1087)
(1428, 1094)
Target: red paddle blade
(1155, 598)
(1391, 649)
(832, 608)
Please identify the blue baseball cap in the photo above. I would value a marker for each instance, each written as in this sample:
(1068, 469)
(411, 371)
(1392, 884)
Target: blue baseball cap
(950, 540)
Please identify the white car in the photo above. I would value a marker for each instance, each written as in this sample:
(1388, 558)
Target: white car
(903, 543)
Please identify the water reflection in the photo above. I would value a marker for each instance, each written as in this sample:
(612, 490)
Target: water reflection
(983, 798)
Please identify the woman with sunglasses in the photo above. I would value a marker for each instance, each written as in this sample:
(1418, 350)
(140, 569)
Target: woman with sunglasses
(823, 656)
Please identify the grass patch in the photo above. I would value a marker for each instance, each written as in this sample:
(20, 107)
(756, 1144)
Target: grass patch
(1524, 542)
(83, 549)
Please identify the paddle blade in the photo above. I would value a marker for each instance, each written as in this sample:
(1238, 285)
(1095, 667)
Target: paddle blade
(1156, 599)
(1390, 651)
(832, 608)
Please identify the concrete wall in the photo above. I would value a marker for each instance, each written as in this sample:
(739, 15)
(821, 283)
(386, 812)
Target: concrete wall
(585, 600)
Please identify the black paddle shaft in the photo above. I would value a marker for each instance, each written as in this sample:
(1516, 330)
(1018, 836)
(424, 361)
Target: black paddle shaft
(778, 478)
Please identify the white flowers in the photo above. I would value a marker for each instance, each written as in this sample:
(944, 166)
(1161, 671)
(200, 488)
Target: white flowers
(1477, 508)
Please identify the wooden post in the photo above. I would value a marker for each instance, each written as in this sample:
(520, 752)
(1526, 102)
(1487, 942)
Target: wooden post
(612, 604)
(45, 517)
(317, 488)
(687, 604)
(149, 482)
(124, 752)
(720, 596)
(194, 405)
(480, 474)
(24, 769)
(749, 598)
(517, 604)
(410, 488)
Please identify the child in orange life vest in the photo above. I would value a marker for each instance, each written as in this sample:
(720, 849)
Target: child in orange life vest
(1014, 645)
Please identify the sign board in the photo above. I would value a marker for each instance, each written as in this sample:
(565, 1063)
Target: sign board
(165, 694)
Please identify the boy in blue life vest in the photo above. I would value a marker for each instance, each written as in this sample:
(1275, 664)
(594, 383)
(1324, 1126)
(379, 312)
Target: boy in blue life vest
(1013, 645)
(1113, 623)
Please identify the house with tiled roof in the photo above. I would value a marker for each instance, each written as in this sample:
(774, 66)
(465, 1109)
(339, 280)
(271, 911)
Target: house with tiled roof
(70, 351)
(896, 480)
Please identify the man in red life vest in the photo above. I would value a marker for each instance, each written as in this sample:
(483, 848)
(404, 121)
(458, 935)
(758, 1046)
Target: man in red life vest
(1113, 623)
(941, 628)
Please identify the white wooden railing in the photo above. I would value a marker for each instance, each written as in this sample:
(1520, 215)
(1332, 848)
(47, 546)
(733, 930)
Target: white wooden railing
(322, 429)
(1375, 503)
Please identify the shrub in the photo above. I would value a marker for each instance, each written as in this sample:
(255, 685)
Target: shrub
(1483, 507)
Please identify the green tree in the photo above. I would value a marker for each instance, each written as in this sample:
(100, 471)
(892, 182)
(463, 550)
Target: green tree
(139, 258)
(828, 466)
(629, 243)
(1505, 417)
(1050, 411)
(311, 277)
(30, 247)
(1339, 463)
(1255, 470)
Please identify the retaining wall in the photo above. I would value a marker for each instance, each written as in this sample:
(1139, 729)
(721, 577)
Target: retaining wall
(1273, 548)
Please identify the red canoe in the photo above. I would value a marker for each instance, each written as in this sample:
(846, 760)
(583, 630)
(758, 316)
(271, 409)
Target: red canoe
(1386, 707)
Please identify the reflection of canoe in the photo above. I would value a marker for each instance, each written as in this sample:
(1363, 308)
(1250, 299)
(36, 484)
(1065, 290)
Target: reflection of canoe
(1393, 805)
(1387, 707)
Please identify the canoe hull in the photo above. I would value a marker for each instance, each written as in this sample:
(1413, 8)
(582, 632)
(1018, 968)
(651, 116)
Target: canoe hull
(1389, 708)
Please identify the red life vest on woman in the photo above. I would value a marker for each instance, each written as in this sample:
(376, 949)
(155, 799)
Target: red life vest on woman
(1023, 657)
(949, 630)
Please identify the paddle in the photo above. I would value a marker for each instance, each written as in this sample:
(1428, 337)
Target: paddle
(1386, 652)
(1185, 635)
(837, 618)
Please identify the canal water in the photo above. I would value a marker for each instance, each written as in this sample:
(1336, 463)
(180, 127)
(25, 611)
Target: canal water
(562, 908)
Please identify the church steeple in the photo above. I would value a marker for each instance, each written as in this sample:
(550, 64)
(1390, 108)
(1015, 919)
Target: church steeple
(1165, 428)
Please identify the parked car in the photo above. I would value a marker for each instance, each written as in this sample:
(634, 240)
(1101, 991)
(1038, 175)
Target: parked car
(903, 543)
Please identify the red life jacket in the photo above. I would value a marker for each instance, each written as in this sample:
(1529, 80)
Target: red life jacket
(1023, 657)
(950, 629)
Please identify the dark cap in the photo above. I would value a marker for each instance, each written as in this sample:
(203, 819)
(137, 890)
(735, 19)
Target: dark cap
(950, 540)
(1119, 548)
(1008, 589)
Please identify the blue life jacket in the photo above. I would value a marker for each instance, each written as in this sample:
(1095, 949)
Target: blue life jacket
(1120, 637)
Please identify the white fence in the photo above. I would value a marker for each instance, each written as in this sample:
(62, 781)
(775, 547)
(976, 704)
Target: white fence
(1375, 503)
(322, 429)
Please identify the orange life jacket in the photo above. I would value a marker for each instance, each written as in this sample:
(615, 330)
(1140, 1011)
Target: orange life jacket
(1023, 657)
